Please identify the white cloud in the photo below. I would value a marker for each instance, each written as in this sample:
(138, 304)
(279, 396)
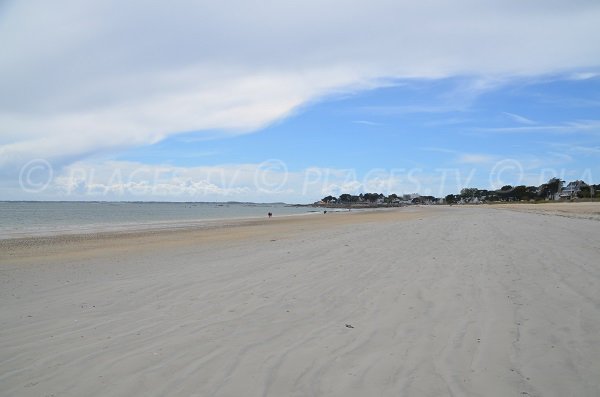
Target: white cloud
(78, 78)
(125, 180)
(410, 109)
(475, 159)
(579, 126)
(271, 180)
(519, 119)
(587, 150)
(584, 75)
(263, 182)
(367, 122)
(465, 158)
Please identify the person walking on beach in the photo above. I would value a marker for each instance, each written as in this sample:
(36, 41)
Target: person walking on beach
(270, 214)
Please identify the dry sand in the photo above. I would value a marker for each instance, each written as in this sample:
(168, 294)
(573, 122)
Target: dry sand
(584, 210)
(463, 301)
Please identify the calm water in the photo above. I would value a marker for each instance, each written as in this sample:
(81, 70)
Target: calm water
(46, 218)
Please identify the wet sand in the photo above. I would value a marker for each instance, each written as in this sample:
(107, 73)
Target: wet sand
(420, 301)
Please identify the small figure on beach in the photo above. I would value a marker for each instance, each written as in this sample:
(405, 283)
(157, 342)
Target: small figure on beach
(325, 211)
(270, 214)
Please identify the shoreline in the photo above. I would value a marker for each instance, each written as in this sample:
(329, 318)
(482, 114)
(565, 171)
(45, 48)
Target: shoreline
(137, 227)
(581, 207)
(211, 231)
(99, 230)
(39, 219)
(247, 226)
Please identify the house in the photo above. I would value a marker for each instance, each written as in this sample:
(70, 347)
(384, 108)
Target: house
(570, 191)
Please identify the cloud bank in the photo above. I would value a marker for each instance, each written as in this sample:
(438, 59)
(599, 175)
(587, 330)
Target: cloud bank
(79, 78)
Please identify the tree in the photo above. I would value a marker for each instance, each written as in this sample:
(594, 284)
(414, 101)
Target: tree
(520, 193)
(551, 188)
(329, 199)
(585, 192)
(589, 191)
(506, 193)
(372, 197)
(532, 192)
(346, 198)
(451, 199)
(469, 192)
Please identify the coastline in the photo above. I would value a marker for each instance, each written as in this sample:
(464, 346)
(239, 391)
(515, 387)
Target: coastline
(216, 231)
(41, 219)
(181, 233)
(137, 227)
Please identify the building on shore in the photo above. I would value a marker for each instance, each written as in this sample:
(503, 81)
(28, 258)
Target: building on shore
(570, 191)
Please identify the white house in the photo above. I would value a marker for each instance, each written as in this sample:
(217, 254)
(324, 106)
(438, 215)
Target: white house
(571, 190)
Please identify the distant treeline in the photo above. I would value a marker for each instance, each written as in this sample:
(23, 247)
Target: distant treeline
(367, 198)
(554, 189)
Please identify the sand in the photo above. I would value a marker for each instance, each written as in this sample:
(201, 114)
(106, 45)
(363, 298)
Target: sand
(583, 210)
(429, 301)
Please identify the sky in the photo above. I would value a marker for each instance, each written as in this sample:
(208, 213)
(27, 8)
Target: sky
(292, 101)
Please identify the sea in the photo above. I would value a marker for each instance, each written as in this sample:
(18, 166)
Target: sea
(26, 218)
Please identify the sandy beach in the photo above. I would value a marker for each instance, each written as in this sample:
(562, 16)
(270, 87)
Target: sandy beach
(419, 301)
(582, 210)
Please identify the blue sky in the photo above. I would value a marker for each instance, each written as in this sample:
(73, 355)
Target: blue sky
(279, 102)
(423, 123)
(551, 126)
